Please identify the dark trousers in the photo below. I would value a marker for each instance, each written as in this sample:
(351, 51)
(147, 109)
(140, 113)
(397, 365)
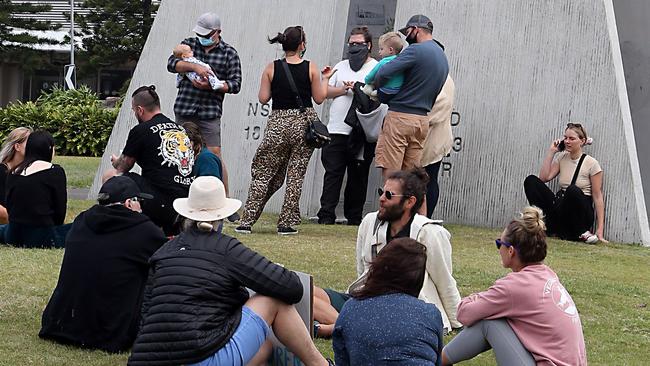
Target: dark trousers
(337, 159)
(30, 236)
(160, 208)
(433, 190)
(568, 219)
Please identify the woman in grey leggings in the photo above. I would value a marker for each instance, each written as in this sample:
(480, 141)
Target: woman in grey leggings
(527, 317)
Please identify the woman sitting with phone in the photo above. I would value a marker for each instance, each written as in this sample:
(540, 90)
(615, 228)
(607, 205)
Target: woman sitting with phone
(570, 212)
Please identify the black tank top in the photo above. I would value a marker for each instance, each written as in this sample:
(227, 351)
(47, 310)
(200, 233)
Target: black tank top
(281, 94)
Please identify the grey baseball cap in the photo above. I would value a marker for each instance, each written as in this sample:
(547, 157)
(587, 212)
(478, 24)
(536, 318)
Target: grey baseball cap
(206, 23)
(420, 21)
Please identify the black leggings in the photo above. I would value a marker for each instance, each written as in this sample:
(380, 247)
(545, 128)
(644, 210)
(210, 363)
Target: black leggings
(567, 220)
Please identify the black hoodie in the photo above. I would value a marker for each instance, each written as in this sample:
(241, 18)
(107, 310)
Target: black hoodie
(96, 302)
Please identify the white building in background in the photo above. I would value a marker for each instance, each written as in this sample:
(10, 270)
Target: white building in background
(15, 84)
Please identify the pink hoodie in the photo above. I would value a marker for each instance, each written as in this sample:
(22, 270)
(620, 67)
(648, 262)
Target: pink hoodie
(540, 311)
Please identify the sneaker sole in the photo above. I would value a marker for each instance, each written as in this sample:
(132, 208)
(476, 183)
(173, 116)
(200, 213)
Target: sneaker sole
(243, 231)
(294, 233)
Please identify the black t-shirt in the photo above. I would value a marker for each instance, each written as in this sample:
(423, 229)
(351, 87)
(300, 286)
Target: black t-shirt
(281, 93)
(164, 152)
(404, 233)
(3, 180)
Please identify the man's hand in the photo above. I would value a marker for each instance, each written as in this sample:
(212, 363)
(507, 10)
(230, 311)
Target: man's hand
(203, 72)
(122, 163)
(202, 84)
(347, 85)
(113, 160)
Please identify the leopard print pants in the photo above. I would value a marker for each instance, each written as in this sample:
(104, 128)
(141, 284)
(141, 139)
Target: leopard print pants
(283, 152)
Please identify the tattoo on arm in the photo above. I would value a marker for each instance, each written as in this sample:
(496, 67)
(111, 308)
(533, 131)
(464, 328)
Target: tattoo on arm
(124, 163)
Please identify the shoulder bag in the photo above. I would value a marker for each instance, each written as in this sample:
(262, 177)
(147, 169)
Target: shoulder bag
(559, 196)
(316, 135)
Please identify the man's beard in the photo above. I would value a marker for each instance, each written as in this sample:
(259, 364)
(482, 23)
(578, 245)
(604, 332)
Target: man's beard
(391, 213)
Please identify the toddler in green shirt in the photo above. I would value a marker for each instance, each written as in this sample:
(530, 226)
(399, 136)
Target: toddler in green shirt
(390, 44)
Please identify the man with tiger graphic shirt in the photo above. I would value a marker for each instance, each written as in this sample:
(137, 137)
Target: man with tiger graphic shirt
(162, 149)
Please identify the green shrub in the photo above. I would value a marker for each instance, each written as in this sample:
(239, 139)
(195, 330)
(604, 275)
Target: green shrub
(76, 119)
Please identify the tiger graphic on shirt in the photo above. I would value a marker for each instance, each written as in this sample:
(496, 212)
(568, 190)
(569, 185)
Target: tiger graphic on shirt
(176, 149)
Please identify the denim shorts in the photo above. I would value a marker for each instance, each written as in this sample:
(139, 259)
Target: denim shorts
(244, 344)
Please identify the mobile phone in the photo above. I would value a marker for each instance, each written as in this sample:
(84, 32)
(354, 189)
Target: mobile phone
(560, 146)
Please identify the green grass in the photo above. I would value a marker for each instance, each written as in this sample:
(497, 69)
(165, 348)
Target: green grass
(609, 283)
(80, 171)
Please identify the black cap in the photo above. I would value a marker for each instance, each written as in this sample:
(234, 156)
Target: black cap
(119, 189)
(420, 21)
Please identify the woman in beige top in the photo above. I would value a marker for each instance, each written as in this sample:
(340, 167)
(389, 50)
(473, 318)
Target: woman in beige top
(570, 217)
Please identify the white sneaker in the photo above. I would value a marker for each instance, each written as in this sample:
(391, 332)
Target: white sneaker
(588, 237)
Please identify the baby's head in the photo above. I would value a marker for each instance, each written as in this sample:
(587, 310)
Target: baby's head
(183, 51)
(390, 44)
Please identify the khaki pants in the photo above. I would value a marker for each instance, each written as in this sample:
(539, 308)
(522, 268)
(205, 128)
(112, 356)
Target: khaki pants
(401, 141)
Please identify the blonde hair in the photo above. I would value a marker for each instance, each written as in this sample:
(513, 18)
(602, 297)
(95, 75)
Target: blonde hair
(16, 136)
(392, 39)
(527, 233)
(180, 49)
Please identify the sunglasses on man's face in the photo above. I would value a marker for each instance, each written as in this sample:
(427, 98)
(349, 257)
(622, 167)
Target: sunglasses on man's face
(389, 194)
(500, 242)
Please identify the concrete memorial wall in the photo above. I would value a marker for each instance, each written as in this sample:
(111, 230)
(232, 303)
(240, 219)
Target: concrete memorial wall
(523, 69)
(245, 26)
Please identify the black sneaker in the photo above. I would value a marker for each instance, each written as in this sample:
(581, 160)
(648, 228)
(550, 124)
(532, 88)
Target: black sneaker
(330, 362)
(234, 217)
(282, 230)
(243, 229)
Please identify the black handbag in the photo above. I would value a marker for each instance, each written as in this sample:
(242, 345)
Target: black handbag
(316, 135)
(559, 196)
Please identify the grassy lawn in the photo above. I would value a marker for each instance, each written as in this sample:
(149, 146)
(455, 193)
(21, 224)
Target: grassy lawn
(79, 171)
(610, 284)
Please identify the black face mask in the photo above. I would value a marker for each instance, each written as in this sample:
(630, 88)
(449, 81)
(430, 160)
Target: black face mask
(357, 55)
(412, 37)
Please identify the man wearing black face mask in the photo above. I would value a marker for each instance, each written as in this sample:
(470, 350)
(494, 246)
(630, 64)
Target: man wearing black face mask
(337, 156)
(425, 70)
(196, 101)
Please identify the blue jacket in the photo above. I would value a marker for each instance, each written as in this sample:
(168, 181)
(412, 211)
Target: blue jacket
(425, 70)
(396, 328)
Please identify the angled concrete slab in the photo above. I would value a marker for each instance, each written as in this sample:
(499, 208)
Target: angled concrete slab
(245, 26)
(523, 69)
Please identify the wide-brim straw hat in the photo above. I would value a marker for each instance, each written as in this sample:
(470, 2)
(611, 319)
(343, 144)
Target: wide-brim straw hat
(207, 201)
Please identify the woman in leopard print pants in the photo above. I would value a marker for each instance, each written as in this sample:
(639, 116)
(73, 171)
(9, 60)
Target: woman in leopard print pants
(283, 151)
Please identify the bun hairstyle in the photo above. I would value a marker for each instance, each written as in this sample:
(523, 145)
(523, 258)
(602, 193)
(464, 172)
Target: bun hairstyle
(290, 39)
(527, 233)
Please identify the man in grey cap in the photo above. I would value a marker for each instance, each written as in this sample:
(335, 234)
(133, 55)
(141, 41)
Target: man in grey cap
(425, 70)
(196, 101)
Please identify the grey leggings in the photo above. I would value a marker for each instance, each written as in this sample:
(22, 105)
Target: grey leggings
(486, 334)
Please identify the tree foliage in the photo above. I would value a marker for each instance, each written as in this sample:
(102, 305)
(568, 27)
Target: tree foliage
(11, 17)
(16, 43)
(115, 30)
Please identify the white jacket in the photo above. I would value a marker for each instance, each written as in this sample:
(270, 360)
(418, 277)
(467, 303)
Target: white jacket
(439, 285)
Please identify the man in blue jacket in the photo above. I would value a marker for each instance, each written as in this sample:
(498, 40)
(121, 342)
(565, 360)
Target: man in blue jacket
(424, 66)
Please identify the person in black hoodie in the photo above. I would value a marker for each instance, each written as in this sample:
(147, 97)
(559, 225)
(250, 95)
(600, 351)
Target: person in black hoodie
(96, 302)
(196, 309)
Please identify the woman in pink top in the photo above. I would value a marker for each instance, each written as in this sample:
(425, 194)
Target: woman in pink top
(527, 317)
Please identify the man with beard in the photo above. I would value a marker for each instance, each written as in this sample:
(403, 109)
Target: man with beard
(425, 70)
(338, 156)
(399, 202)
(162, 149)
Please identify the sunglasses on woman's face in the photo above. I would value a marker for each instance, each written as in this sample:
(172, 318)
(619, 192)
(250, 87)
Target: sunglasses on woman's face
(500, 242)
(389, 194)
